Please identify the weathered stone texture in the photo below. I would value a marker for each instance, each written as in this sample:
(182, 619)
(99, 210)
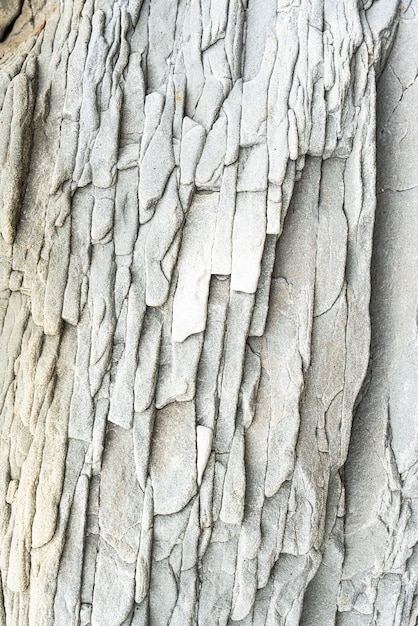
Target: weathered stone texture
(187, 202)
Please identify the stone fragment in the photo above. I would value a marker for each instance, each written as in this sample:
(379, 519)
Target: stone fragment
(157, 160)
(142, 574)
(148, 354)
(161, 246)
(17, 143)
(222, 245)
(120, 528)
(248, 240)
(204, 438)
(190, 300)
(210, 166)
(173, 483)
(113, 598)
(232, 509)
(238, 322)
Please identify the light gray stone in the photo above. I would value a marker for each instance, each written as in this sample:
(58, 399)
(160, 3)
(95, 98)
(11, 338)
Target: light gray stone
(208, 369)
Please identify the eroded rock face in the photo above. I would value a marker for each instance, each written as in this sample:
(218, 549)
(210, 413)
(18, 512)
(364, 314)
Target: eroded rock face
(380, 569)
(187, 203)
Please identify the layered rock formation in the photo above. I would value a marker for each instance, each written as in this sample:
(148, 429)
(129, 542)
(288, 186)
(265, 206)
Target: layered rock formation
(187, 203)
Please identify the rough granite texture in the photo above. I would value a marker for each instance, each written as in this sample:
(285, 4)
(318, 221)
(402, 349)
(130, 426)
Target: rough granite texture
(187, 203)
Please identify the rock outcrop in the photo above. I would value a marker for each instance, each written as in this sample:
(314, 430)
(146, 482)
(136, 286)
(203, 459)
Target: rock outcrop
(187, 204)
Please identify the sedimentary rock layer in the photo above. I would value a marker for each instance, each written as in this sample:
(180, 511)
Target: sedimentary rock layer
(187, 202)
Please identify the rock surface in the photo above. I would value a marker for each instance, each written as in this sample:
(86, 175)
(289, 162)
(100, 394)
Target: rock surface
(187, 206)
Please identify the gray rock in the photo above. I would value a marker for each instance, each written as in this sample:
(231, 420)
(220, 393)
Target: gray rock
(207, 379)
(174, 483)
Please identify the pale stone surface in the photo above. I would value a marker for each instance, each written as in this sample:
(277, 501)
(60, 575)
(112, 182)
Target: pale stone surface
(187, 203)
